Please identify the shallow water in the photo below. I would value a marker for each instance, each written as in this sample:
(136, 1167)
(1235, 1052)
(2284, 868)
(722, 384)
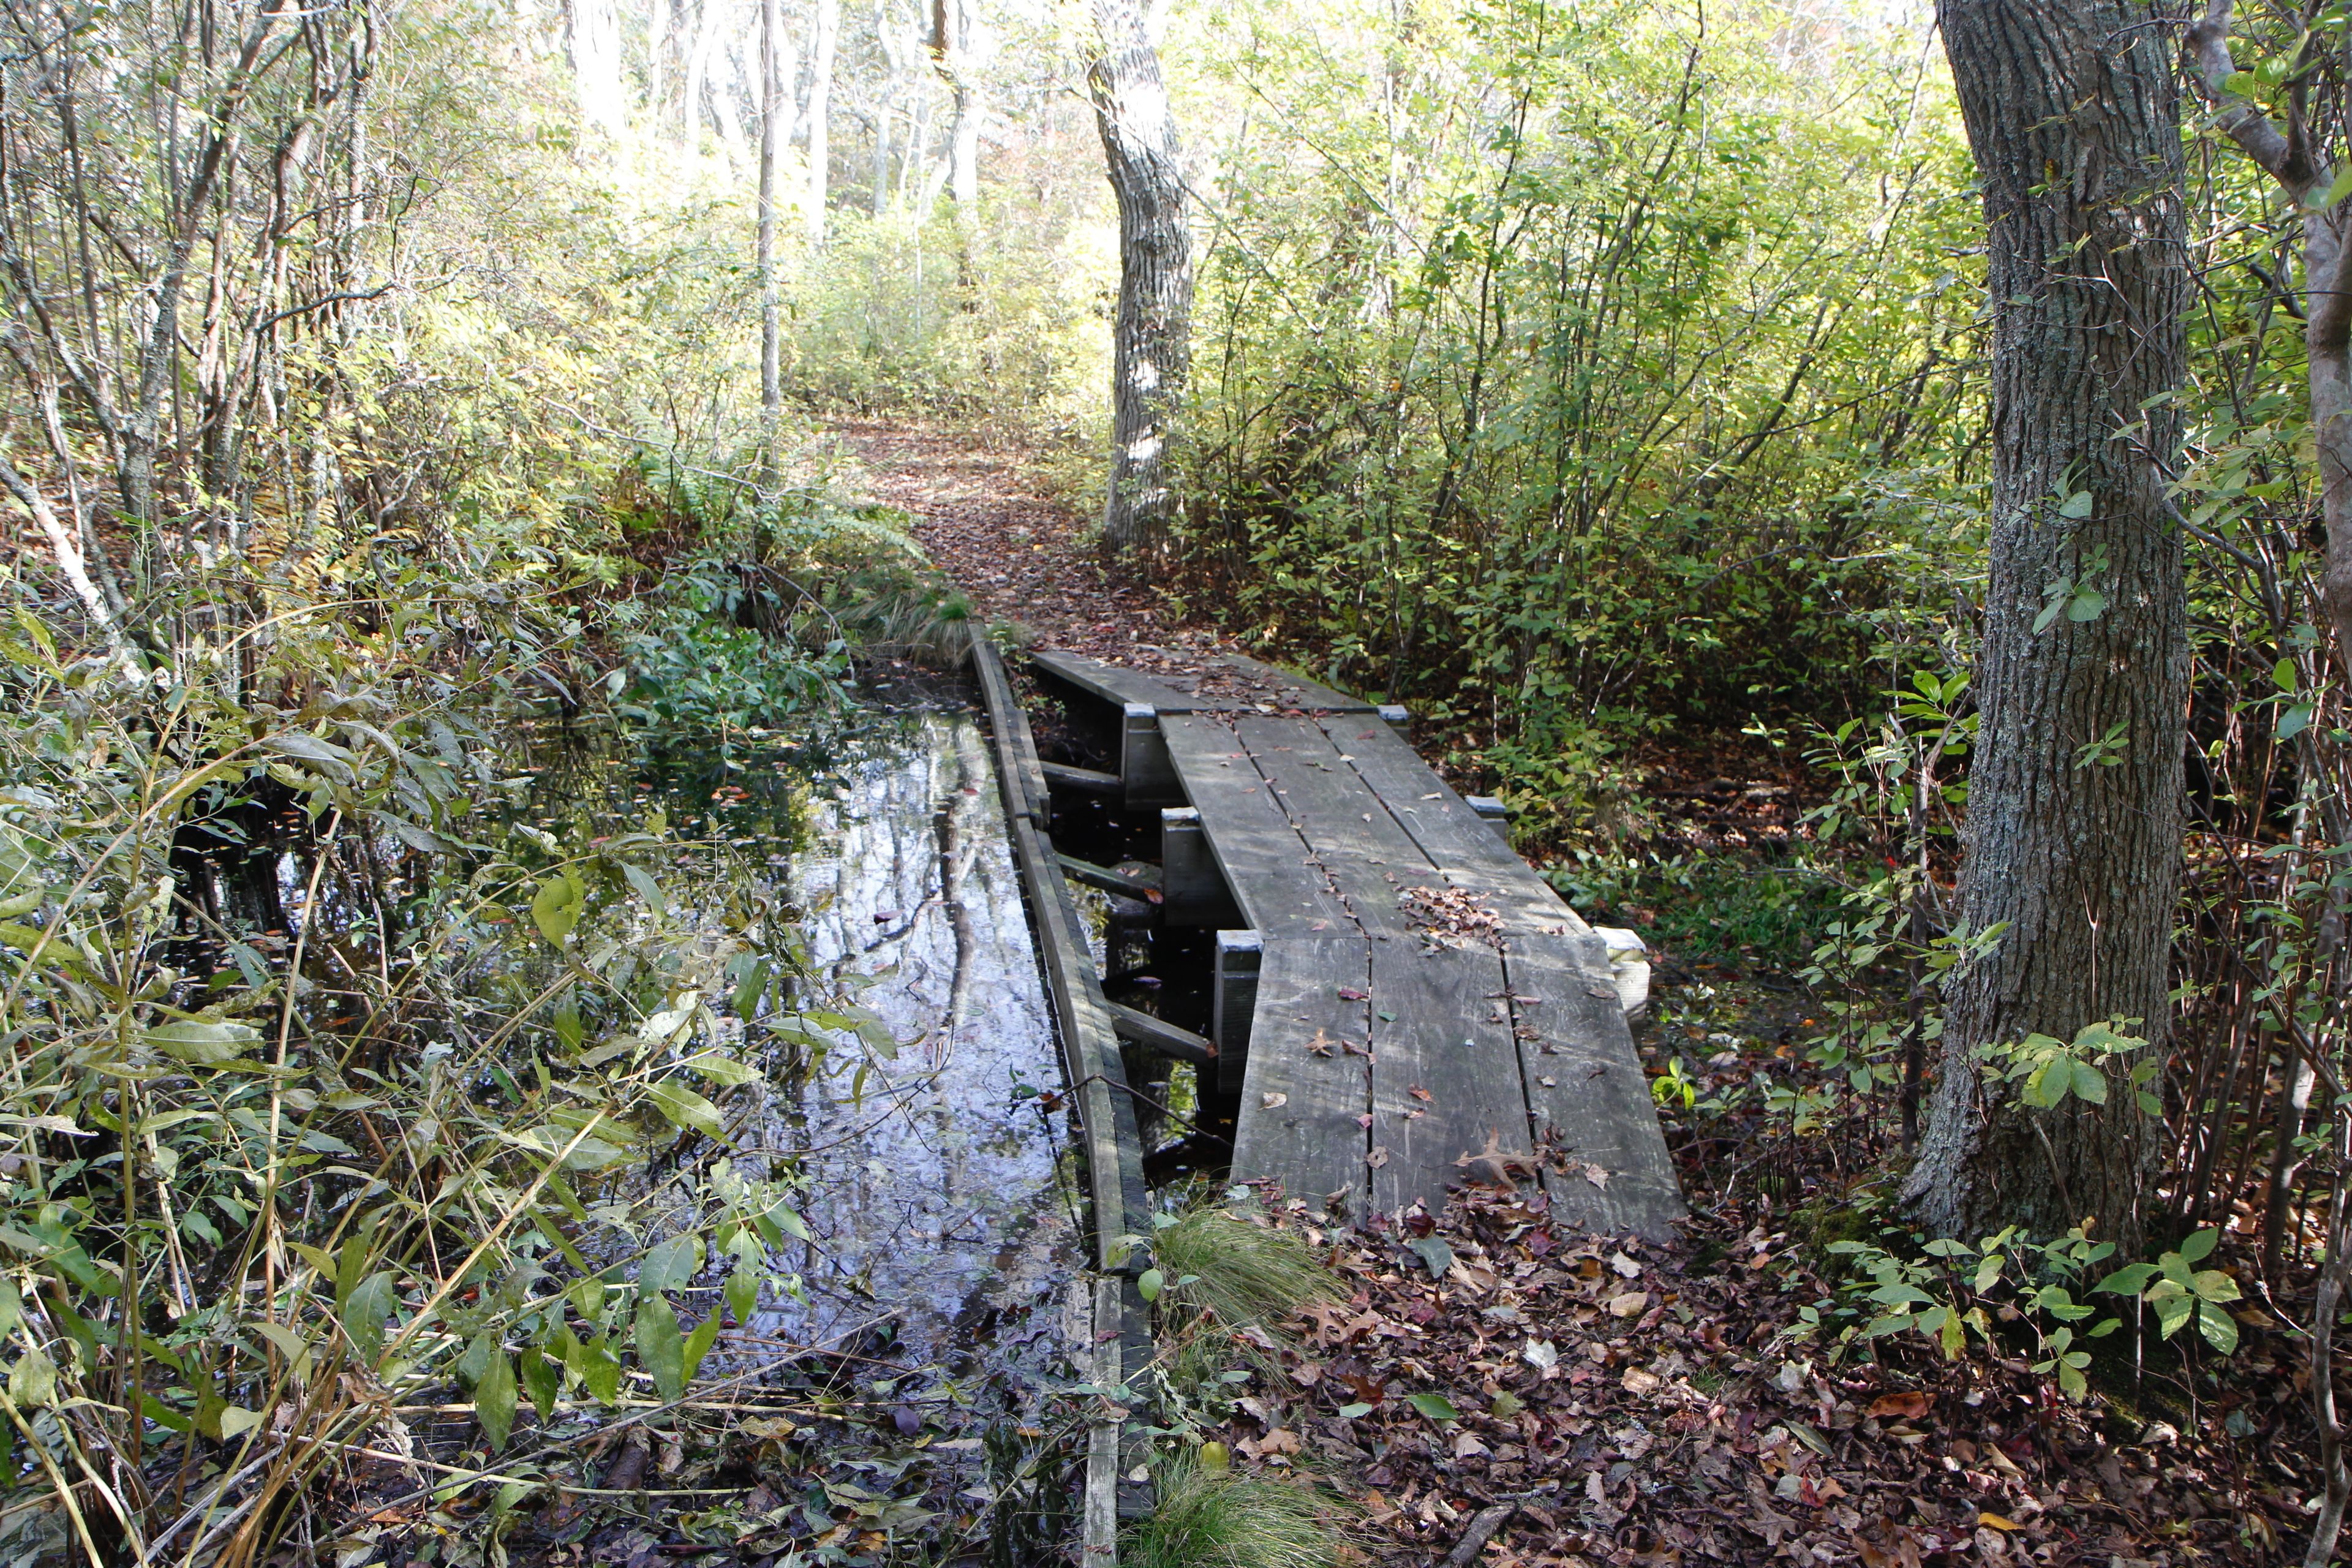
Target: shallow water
(931, 1178)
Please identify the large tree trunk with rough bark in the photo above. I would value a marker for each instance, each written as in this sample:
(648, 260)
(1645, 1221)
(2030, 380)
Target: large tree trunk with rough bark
(1152, 344)
(2075, 795)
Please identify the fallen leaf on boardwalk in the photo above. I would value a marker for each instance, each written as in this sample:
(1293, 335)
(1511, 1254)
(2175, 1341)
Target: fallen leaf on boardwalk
(1274, 1101)
(1907, 1405)
(1321, 1044)
(1377, 1157)
(1418, 1092)
(1349, 994)
(1600, 991)
(1630, 1304)
(1598, 1176)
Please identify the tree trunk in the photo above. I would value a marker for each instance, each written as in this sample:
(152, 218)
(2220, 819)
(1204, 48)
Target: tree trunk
(771, 395)
(952, 41)
(1150, 349)
(820, 119)
(2076, 795)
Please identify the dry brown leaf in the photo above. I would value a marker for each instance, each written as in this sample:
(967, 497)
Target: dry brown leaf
(1905, 1405)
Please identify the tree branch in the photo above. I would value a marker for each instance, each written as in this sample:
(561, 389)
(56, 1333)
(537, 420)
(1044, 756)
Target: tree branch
(2247, 125)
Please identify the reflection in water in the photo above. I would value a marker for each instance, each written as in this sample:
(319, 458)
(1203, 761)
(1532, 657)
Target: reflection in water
(929, 1173)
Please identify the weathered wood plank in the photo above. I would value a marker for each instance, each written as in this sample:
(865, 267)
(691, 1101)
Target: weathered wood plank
(1297, 690)
(1264, 862)
(1450, 1039)
(1115, 684)
(1463, 846)
(1309, 1081)
(1353, 835)
(1585, 1079)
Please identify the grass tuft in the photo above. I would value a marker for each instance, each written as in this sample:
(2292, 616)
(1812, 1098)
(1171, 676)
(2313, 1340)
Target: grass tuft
(1243, 1275)
(1216, 1520)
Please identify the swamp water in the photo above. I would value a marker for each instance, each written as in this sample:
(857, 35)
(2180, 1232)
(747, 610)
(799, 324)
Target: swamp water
(857, 878)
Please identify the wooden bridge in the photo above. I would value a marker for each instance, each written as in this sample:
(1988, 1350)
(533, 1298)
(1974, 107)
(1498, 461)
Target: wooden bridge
(1401, 1003)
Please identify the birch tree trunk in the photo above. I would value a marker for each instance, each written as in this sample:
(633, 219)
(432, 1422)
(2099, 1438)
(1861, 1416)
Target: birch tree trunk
(770, 303)
(1151, 350)
(820, 119)
(2076, 793)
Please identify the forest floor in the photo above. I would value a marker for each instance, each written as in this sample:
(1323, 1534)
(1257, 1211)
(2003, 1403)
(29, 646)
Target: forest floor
(1595, 1400)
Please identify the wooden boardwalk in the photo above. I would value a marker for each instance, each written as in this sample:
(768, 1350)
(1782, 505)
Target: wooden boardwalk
(1401, 1003)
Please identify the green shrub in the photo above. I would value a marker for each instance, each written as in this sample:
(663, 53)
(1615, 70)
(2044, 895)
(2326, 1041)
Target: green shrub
(1213, 1519)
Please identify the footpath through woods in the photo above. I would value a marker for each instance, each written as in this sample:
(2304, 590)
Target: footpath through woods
(1499, 1387)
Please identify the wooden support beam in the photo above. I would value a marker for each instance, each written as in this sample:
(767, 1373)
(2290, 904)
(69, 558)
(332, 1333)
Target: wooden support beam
(1156, 1034)
(1493, 812)
(1084, 780)
(1144, 881)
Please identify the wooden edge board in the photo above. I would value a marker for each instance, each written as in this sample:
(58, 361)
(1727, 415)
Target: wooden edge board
(1118, 1199)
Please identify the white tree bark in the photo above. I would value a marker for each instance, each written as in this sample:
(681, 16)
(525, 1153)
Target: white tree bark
(1151, 345)
(820, 119)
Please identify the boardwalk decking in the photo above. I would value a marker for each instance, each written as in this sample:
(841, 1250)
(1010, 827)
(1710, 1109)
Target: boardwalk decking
(1405, 993)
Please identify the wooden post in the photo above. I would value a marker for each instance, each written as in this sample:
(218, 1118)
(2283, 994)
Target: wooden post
(1193, 890)
(1143, 760)
(1493, 812)
(1398, 718)
(1233, 1004)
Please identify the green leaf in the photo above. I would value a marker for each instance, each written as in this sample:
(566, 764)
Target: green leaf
(2220, 1329)
(660, 1347)
(364, 1311)
(2077, 505)
(202, 1043)
(2090, 1083)
(647, 888)
(494, 1399)
(685, 1109)
(2283, 675)
(670, 1264)
(2200, 1246)
(598, 1369)
(543, 1376)
(699, 1343)
(2086, 605)
(32, 1381)
(2049, 614)
(2046, 1085)
(2293, 721)
(2213, 1285)
(2335, 192)
(723, 1070)
(1148, 1283)
(743, 1292)
(555, 909)
(1435, 1407)
(1349, 1412)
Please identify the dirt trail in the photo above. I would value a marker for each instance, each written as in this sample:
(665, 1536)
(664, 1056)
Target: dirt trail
(1019, 554)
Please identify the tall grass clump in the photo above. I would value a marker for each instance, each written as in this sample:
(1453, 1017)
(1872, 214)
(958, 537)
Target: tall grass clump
(1213, 1518)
